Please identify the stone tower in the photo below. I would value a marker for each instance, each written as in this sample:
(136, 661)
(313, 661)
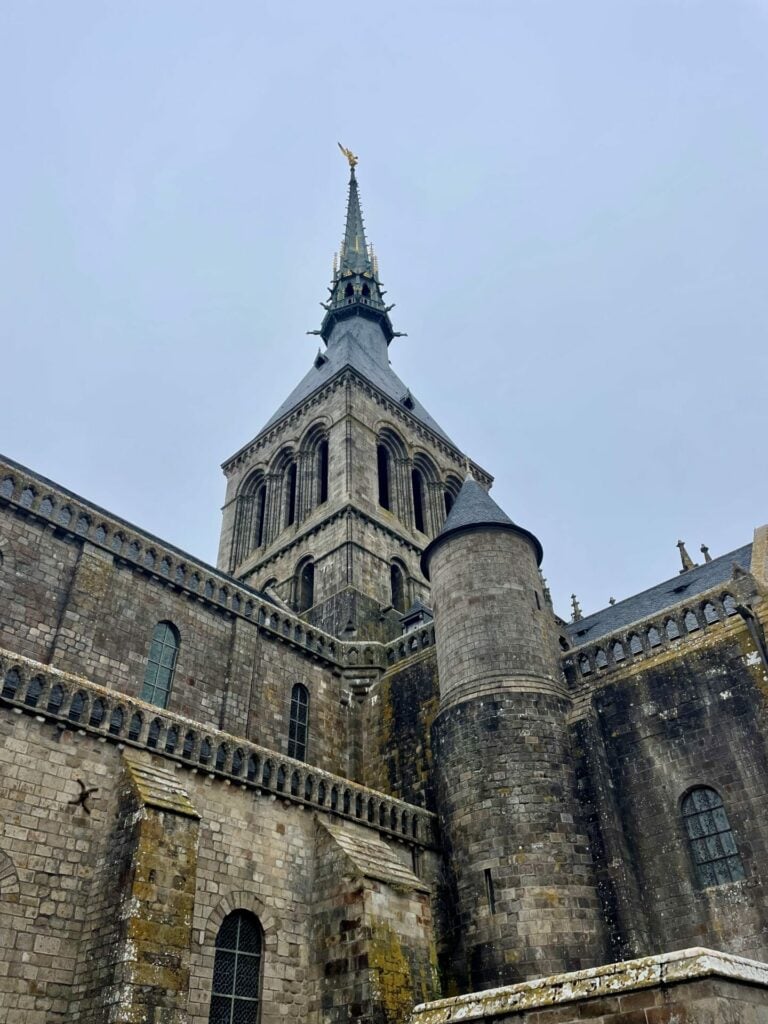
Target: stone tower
(526, 896)
(332, 503)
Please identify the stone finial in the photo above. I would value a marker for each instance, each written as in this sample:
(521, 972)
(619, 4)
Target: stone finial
(611, 601)
(576, 616)
(705, 551)
(545, 588)
(685, 558)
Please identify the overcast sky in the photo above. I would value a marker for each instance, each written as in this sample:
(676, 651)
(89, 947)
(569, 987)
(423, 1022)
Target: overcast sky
(569, 202)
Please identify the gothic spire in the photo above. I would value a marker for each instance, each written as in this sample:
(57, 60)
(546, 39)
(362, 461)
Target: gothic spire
(355, 289)
(354, 256)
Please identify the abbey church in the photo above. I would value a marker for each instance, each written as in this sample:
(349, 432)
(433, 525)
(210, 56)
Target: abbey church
(360, 772)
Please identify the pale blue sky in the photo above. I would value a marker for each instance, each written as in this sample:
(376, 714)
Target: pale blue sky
(570, 206)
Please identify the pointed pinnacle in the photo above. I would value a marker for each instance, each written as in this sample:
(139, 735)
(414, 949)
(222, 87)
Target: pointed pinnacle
(685, 558)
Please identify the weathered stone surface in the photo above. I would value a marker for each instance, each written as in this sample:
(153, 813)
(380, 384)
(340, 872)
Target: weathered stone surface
(698, 986)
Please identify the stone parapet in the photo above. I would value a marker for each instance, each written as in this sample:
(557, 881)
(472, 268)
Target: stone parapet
(656, 989)
(71, 702)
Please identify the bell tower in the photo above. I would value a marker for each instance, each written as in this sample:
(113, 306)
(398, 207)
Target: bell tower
(331, 504)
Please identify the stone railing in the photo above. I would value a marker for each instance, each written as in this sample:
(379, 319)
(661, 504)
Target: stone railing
(69, 514)
(410, 643)
(649, 636)
(70, 702)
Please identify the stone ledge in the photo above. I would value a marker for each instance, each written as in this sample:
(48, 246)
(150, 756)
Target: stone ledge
(609, 980)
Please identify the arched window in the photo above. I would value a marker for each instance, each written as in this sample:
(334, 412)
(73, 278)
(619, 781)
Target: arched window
(715, 855)
(299, 724)
(290, 495)
(236, 989)
(417, 485)
(322, 471)
(305, 586)
(261, 514)
(397, 587)
(382, 459)
(161, 664)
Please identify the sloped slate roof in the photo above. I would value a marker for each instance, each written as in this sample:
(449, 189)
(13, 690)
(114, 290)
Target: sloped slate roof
(656, 599)
(374, 858)
(358, 344)
(474, 507)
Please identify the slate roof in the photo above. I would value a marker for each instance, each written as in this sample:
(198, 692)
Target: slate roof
(357, 343)
(474, 507)
(374, 859)
(656, 599)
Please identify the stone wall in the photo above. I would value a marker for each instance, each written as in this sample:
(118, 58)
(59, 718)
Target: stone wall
(72, 603)
(96, 908)
(692, 715)
(695, 986)
(398, 715)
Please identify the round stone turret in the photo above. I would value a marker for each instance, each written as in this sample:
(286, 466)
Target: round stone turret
(525, 892)
(494, 628)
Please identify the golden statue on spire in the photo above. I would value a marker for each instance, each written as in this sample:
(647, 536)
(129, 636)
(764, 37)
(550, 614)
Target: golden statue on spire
(352, 159)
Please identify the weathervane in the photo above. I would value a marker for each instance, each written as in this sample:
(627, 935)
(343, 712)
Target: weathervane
(351, 158)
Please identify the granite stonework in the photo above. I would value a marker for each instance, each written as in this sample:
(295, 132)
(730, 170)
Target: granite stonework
(689, 986)
(472, 793)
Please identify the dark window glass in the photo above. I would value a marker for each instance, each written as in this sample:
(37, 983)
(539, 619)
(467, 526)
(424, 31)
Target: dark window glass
(77, 707)
(235, 994)
(97, 713)
(322, 465)
(306, 587)
(134, 726)
(397, 588)
(161, 664)
(261, 510)
(290, 508)
(154, 732)
(715, 854)
(11, 684)
(382, 458)
(56, 699)
(418, 499)
(34, 690)
(297, 732)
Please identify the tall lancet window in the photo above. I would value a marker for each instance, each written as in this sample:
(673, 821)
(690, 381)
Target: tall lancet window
(322, 470)
(417, 482)
(382, 457)
(236, 989)
(290, 497)
(261, 515)
(397, 587)
(299, 724)
(305, 586)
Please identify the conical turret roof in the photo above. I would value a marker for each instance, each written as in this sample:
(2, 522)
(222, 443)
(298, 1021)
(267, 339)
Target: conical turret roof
(475, 509)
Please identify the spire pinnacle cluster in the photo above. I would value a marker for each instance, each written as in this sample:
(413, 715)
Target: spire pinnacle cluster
(355, 287)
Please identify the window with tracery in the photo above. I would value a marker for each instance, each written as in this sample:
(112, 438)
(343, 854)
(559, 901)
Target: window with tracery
(299, 723)
(161, 664)
(236, 989)
(716, 858)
